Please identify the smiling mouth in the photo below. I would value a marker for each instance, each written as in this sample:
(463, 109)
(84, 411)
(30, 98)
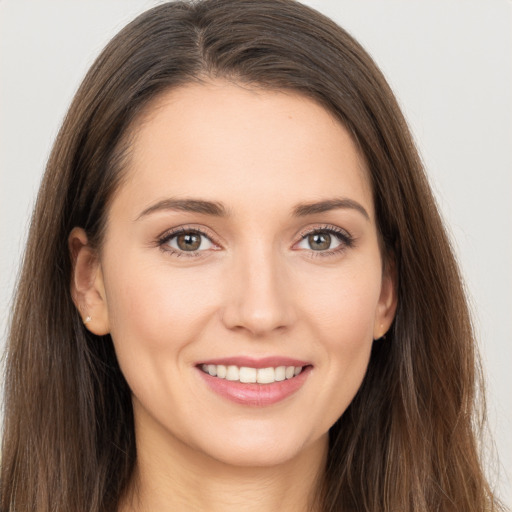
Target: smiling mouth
(249, 375)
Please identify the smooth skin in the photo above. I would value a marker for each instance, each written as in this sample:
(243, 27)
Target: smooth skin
(258, 273)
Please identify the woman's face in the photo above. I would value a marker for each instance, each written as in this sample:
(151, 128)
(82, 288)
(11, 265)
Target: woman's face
(242, 243)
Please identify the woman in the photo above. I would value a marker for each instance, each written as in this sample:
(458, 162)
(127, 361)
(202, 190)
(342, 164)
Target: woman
(237, 290)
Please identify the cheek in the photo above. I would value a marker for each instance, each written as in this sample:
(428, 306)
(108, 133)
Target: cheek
(156, 308)
(343, 305)
(155, 316)
(343, 313)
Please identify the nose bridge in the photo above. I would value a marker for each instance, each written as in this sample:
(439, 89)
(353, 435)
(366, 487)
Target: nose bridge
(258, 299)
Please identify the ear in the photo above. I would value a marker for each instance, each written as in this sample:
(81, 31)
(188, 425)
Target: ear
(87, 287)
(386, 307)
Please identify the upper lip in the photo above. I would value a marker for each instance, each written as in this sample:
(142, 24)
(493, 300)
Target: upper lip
(251, 362)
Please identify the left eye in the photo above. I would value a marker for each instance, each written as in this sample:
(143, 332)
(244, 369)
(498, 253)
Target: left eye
(320, 241)
(189, 241)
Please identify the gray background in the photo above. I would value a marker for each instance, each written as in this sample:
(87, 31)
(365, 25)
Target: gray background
(449, 62)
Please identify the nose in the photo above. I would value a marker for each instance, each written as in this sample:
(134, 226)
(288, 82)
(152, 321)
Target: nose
(259, 299)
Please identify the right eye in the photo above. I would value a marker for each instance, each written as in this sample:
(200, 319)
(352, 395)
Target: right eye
(320, 241)
(183, 241)
(325, 241)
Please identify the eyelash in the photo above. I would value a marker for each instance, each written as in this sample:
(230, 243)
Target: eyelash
(169, 235)
(345, 239)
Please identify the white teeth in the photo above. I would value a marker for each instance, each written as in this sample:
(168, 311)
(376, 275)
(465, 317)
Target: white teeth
(252, 375)
(248, 374)
(280, 373)
(233, 373)
(266, 376)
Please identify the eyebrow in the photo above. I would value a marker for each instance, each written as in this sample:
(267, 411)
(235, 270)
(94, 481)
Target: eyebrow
(187, 205)
(304, 209)
(219, 210)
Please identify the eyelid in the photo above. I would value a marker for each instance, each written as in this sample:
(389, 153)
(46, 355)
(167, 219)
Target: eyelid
(346, 239)
(330, 228)
(163, 239)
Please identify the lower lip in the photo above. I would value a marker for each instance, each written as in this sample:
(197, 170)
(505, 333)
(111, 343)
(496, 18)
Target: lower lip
(256, 395)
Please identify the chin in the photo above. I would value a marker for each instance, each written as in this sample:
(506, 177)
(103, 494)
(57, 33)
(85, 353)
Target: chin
(262, 451)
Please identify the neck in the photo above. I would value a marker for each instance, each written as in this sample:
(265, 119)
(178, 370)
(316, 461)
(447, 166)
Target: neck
(176, 477)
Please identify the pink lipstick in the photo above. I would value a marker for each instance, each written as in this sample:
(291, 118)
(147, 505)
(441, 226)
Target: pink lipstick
(254, 382)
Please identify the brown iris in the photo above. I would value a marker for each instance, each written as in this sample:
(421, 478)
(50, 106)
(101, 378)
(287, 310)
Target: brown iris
(319, 241)
(188, 241)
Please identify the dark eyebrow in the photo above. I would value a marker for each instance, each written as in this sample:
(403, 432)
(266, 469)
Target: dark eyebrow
(304, 209)
(218, 209)
(187, 205)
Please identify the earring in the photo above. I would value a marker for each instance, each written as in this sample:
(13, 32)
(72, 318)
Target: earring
(87, 320)
(382, 336)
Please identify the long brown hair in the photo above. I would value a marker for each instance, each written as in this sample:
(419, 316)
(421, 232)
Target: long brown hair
(408, 441)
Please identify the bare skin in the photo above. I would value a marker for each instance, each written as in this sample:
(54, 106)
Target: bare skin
(245, 229)
(189, 484)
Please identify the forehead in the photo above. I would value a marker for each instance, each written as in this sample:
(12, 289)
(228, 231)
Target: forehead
(242, 146)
